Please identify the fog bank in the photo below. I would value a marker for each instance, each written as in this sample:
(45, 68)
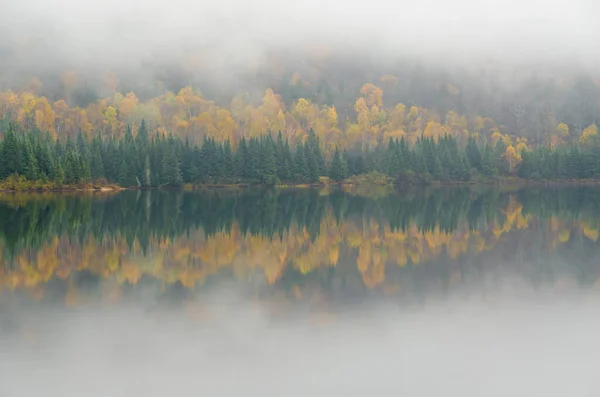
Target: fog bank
(463, 346)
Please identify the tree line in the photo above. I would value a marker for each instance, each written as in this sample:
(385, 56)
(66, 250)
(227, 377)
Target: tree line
(155, 159)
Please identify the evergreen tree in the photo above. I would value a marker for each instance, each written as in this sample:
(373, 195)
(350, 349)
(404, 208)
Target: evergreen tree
(268, 171)
(311, 164)
(126, 176)
(228, 161)
(241, 159)
(10, 157)
(171, 173)
(96, 163)
(312, 144)
(147, 175)
(338, 169)
(286, 168)
(29, 166)
(82, 146)
(473, 153)
(488, 163)
(44, 158)
(71, 169)
(60, 174)
(302, 173)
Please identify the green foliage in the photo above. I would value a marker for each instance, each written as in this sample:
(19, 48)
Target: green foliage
(338, 169)
(159, 160)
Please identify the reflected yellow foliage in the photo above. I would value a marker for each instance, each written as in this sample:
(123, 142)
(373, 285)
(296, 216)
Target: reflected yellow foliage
(368, 244)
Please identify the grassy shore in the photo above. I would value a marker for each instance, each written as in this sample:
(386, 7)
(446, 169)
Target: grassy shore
(365, 181)
(20, 184)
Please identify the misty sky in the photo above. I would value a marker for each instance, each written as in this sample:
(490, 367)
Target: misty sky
(124, 32)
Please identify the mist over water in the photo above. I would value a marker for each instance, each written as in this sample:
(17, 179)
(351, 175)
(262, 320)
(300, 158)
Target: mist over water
(513, 312)
(457, 347)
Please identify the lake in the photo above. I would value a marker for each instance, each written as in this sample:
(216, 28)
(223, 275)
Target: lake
(441, 292)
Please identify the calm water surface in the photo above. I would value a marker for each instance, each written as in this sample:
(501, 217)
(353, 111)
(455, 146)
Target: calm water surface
(452, 292)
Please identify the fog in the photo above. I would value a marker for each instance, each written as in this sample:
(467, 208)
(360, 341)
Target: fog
(492, 342)
(231, 36)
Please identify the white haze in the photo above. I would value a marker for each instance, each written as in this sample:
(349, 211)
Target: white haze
(118, 34)
(487, 343)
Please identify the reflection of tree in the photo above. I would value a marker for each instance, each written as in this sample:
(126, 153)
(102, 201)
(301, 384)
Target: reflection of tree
(292, 237)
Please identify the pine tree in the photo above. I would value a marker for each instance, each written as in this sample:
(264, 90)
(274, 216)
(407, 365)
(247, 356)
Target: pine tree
(338, 169)
(96, 163)
(126, 176)
(43, 158)
(141, 138)
(241, 160)
(171, 173)
(286, 168)
(473, 153)
(59, 176)
(488, 162)
(405, 156)
(29, 166)
(11, 153)
(300, 162)
(72, 170)
(311, 164)
(147, 175)
(82, 146)
(268, 171)
(312, 143)
(228, 162)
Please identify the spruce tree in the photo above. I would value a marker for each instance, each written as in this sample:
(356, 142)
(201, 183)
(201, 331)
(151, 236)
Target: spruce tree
(11, 153)
(488, 162)
(29, 166)
(268, 170)
(311, 164)
(96, 163)
(312, 143)
(300, 162)
(228, 161)
(59, 175)
(473, 153)
(241, 159)
(171, 173)
(338, 169)
(147, 174)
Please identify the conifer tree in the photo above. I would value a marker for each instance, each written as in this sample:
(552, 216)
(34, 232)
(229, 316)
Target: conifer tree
(300, 162)
(10, 156)
(338, 169)
(473, 153)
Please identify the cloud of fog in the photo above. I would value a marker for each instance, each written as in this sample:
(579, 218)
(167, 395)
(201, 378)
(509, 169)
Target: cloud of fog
(465, 347)
(233, 35)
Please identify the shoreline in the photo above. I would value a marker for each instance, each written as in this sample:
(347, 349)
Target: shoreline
(349, 183)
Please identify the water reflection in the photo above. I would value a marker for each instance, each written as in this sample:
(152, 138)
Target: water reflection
(299, 243)
(321, 293)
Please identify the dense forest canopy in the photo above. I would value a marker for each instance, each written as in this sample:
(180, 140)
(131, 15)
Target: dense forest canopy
(323, 92)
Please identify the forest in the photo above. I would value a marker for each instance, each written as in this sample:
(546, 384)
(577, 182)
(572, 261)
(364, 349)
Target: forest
(72, 137)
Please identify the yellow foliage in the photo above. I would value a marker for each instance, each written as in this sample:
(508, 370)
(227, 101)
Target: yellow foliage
(564, 235)
(334, 255)
(373, 95)
(589, 232)
(521, 146)
(589, 136)
(563, 130)
(512, 157)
